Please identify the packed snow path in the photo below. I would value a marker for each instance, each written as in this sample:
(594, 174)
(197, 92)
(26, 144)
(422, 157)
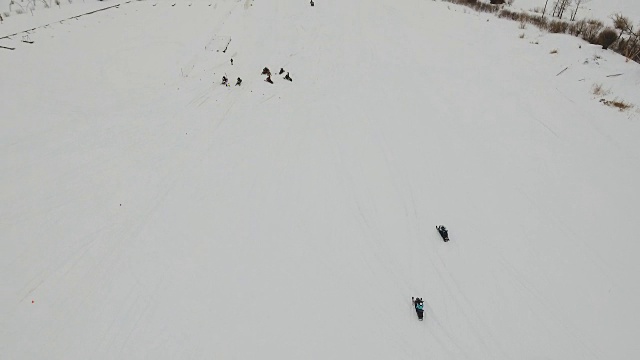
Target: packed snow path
(148, 212)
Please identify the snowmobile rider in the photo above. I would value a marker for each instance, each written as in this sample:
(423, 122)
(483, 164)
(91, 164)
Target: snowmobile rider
(443, 231)
(419, 305)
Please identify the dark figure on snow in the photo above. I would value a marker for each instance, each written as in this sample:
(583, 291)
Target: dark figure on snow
(239, 82)
(312, 4)
(287, 77)
(268, 79)
(443, 232)
(225, 81)
(418, 304)
(266, 71)
(281, 71)
(231, 61)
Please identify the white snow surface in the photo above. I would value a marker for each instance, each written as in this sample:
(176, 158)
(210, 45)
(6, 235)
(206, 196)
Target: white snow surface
(147, 212)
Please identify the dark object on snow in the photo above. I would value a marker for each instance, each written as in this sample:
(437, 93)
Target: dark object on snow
(418, 304)
(225, 81)
(239, 82)
(268, 79)
(281, 71)
(312, 3)
(266, 71)
(287, 77)
(443, 232)
(232, 61)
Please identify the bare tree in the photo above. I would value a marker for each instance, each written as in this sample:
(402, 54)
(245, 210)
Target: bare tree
(545, 8)
(555, 8)
(559, 7)
(578, 3)
(563, 6)
(630, 46)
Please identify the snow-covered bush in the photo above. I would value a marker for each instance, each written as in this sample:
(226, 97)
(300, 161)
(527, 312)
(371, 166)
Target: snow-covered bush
(592, 30)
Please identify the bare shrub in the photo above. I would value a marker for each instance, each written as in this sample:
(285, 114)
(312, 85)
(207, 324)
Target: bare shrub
(522, 36)
(592, 30)
(576, 28)
(523, 24)
(554, 51)
(508, 14)
(540, 22)
(599, 90)
(622, 23)
(558, 26)
(19, 11)
(607, 37)
(619, 104)
(629, 40)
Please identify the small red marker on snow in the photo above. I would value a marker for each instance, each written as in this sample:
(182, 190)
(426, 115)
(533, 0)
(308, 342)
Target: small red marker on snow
(32, 301)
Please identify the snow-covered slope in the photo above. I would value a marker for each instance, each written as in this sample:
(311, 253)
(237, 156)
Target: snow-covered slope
(148, 212)
(19, 16)
(598, 9)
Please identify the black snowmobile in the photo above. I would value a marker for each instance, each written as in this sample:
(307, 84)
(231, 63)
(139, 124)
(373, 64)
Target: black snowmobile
(418, 304)
(443, 232)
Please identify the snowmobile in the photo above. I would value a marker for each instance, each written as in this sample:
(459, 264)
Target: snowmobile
(443, 232)
(418, 304)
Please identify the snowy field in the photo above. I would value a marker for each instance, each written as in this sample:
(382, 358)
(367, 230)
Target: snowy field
(147, 212)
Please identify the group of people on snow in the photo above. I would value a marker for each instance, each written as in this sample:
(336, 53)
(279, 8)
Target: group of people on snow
(267, 72)
(225, 81)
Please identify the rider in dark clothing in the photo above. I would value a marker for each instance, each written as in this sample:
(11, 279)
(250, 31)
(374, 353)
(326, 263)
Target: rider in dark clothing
(419, 305)
(443, 232)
